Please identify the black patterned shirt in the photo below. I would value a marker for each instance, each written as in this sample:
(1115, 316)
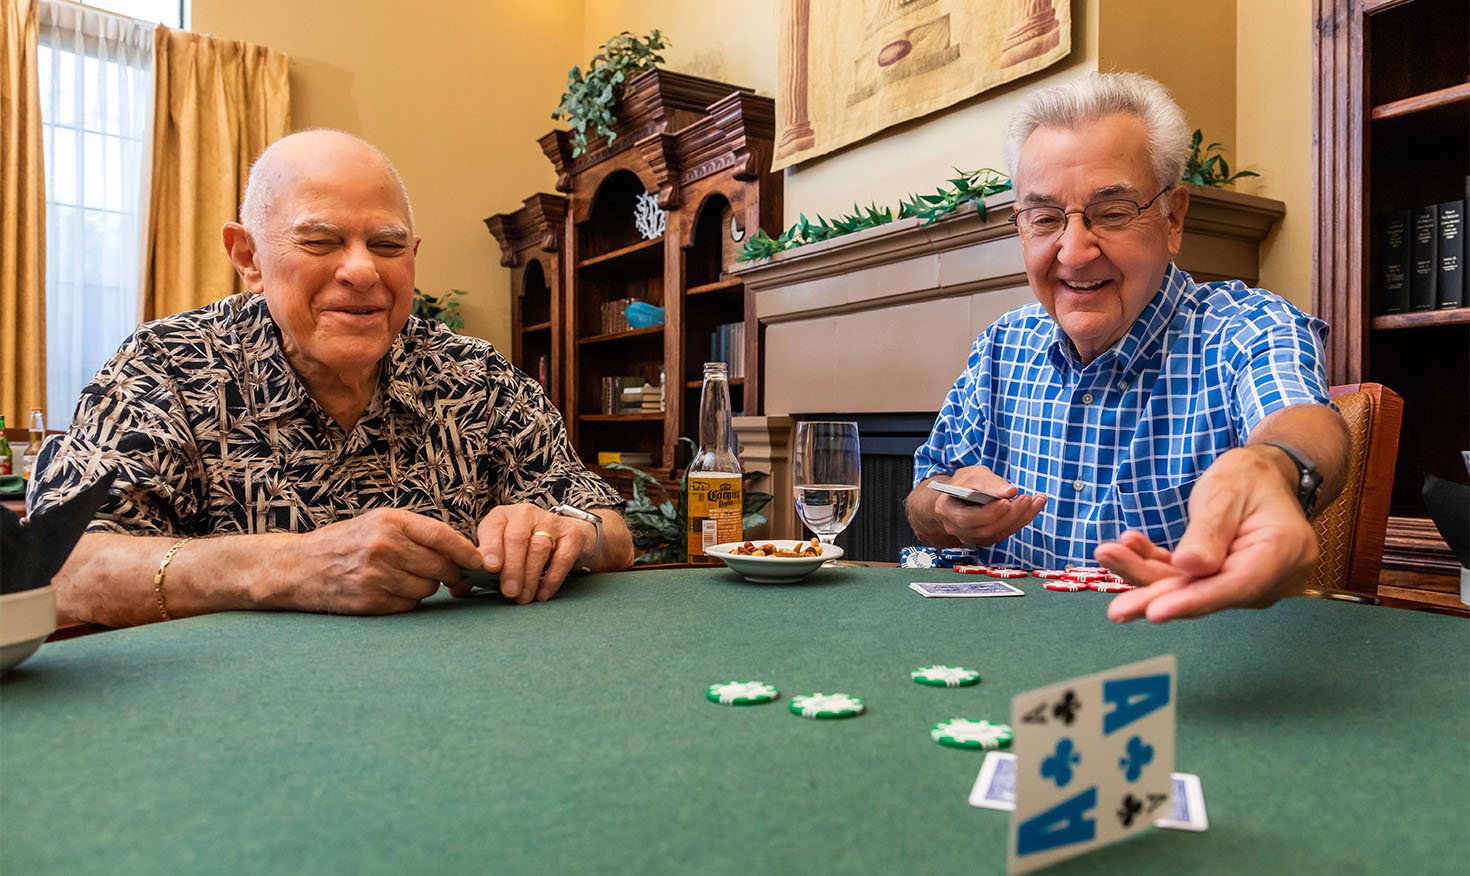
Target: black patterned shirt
(212, 433)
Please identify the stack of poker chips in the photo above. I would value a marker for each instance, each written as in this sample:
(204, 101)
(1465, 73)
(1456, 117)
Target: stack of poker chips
(923, 557)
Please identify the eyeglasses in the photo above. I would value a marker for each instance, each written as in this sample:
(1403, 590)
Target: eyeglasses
(1100, 217)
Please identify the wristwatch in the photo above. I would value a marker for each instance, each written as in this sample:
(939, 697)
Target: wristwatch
(580, 514)
(1308, 478)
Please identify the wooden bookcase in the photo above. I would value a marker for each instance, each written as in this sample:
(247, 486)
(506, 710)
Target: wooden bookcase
(703, 149)
(531, 246)
(1392, 131)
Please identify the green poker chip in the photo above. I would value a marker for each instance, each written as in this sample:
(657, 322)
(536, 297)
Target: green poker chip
(741, 693)
(827, 705)
(945, 676)
(974, 735)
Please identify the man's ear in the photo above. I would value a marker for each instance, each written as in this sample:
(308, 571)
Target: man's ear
(1178, 206)
(241, 248)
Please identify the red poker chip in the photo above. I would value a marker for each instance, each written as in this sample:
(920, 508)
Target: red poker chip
(1050, 574)
(1009, 573)
(1082, 577)
(1064, 586)
(972, 570)
(1090, 570)
(1110, 587)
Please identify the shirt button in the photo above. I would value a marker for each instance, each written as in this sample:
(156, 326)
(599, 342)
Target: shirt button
(1123, 386)
(1078, 485)
(1087, 398)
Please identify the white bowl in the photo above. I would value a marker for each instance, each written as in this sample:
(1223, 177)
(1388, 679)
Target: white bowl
(774, 570)
(26, 619)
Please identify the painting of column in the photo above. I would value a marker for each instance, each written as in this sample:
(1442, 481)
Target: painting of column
(850, 68)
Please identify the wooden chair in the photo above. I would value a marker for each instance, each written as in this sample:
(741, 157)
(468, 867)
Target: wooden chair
(1351, 530)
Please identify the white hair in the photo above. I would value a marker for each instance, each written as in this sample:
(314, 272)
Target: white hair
(260, 186)
(1082, 101)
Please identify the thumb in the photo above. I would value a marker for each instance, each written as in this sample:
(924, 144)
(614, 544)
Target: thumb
(1215, 515)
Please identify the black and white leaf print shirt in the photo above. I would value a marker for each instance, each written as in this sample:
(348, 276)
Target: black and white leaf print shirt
(212, 433)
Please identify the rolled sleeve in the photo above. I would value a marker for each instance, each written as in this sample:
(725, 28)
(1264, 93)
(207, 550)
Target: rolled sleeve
(1279, 361)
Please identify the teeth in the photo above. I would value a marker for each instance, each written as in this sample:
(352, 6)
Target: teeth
(1091, 285)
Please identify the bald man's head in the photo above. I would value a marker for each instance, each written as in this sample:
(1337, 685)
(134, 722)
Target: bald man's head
(288, 157)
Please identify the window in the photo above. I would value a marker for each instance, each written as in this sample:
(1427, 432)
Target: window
(95, 72)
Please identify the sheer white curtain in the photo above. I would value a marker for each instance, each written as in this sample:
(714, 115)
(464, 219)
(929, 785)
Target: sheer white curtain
(96, 78)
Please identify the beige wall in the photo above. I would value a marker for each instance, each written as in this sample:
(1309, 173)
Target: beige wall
(456, 93)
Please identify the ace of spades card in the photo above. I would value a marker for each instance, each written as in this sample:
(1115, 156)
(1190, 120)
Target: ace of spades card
(1094, 758)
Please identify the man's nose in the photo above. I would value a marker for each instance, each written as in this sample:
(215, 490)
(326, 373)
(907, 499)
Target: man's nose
(1077, 244)
(358, 268)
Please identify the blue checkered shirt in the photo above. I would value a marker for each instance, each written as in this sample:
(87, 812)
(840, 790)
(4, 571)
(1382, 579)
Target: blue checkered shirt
(1118, 443)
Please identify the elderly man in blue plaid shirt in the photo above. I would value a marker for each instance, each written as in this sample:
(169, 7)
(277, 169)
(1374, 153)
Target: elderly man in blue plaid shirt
(1180, 433)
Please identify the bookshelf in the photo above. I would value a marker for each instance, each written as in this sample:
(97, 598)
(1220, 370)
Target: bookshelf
(531, 245)
(1393, 132)
(702, 149)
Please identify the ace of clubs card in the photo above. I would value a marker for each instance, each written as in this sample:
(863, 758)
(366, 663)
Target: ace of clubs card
(1094, 759)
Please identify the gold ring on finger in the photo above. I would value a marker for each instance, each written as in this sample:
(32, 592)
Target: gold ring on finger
(544, 534)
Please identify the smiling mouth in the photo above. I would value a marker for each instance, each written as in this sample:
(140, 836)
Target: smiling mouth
(360, 311)
(1084, 285)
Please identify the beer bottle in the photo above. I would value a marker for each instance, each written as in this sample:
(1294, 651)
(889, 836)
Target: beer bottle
(37, 428)
(715, 495)
(5, 468)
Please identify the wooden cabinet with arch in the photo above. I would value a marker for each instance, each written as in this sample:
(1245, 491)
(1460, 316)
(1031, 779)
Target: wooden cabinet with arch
(658, 216)
(531, 246)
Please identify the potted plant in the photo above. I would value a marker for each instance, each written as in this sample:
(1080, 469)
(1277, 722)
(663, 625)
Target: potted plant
(591, 98)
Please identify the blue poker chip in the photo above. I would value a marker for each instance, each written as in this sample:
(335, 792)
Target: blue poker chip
(918, 557)
(959, 556)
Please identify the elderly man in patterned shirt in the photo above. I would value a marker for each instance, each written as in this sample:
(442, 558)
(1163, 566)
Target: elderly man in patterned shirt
(1179, 433)
(308, 445)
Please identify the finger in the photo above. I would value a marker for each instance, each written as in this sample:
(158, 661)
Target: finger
(514, 545)
(566, 553)
(492, 540)
(542, 543)
(1132, 605)
(1021, 512)
(1132, 567)
(1141, 545)
(440, 537)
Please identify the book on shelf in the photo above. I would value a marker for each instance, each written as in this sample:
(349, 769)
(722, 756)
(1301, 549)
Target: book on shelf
(1423, 256)
(613, 389)
(626, 457)
(1394, 256)
(727, 344)
(543, 371)
(1450, 281)
(652, 401)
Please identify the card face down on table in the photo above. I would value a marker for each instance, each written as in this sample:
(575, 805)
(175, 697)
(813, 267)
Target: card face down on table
(1094, 761)
(966, 588)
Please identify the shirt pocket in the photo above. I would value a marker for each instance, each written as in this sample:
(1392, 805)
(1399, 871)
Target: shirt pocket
(1160, 514)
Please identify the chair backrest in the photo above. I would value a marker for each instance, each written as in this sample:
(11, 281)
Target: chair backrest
(1351, 530)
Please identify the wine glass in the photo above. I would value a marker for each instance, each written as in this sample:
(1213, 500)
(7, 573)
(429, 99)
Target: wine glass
(826, 468)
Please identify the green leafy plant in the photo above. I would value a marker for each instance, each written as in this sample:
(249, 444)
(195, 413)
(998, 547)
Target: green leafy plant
(659, 524)
(970, 187)
(591, 98)
(1207, 167)
(444, 308)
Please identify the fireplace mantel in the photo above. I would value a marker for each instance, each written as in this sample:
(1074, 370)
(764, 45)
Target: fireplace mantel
(881, 320)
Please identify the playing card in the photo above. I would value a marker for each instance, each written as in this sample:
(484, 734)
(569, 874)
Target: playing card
(966, 588)
(995, 788)
(1094, 758)
(1187, 807)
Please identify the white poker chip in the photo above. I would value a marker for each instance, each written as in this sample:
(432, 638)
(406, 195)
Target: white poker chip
(826, 705)
(964, 733)
(741, 693)
(945, 676)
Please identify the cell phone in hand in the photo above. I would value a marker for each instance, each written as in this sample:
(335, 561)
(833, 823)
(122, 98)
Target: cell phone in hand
(964, 494)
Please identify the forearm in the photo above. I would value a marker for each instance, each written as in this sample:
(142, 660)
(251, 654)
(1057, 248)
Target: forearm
(617, 543)
(108, 579)
(1316, 431)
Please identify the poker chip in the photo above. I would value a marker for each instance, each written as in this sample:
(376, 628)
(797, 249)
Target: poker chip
(1049, 574)
(826, 705)
(741, 693)
(958, 556)
(1082, 577)
(945, 676)
(964, 733)
(1089, 570)
(1008, 573)
(1063, 586)
(1110, 586)
(968, 569)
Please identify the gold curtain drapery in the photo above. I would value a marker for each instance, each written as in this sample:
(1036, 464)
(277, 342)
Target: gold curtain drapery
(217, 105)
(22, 216)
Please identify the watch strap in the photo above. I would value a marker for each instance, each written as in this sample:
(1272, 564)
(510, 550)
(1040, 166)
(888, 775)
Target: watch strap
(1309, 480)
(588, 516)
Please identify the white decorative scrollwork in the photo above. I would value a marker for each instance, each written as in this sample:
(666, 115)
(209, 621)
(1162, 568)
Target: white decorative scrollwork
(650, 220)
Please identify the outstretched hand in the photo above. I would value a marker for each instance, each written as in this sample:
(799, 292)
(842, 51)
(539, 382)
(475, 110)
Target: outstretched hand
(1247, 545)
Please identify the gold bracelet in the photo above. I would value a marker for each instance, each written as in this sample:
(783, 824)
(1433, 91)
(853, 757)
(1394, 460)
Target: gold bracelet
(162, 570)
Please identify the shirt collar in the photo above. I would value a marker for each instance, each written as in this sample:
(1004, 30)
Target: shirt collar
(1134, 349)
(275, 389)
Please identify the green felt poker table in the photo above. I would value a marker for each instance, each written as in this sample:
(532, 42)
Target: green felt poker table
(477, 736)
